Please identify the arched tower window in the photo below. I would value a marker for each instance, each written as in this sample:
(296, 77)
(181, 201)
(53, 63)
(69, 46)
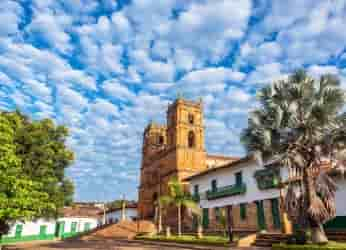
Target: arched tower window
(191, 140)
(161, 140)
(191, 118)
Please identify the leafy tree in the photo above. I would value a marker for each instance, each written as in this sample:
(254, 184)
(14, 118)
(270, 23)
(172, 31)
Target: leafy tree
(32, 164)
(180, 198)
(67, 188)
(20, 197)
(41, 147)
(300, 124)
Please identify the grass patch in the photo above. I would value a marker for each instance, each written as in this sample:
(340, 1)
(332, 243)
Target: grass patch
(188, 239)
(329, 246)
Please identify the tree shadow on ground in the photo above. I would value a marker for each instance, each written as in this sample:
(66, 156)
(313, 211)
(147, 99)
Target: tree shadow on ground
(104, 244)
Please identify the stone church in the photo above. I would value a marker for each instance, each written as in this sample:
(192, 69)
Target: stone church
(176, 149)
(249, 192)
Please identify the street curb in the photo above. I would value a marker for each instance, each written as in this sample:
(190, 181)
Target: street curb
(178, 245)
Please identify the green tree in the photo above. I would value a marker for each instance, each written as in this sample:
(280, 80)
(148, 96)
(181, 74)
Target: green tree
(33, 159)
(180, 198)
(300, 124)
(41, 146)
(20, 197)
(67, 188)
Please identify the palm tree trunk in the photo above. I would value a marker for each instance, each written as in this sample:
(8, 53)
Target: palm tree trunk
(179, 220)
(317, 232)
(160, 219)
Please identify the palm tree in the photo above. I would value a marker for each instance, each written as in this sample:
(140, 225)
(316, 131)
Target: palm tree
(301, 125)
(180, 198)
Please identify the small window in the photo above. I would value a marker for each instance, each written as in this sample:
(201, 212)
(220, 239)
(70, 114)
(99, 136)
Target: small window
(217, 212)
(239, 178)
(191, 118)
(195, 189)
(191, 139)
(161, 139)
(205, 218)
(243, 211)
(213, 185)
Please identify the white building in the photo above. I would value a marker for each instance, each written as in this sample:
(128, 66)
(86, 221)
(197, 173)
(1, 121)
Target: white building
(115, 215)
(73, 222)
(249, 189)
(252, 192)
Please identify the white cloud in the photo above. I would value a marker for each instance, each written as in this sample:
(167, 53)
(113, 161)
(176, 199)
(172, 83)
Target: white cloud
(10, 17)
(210, 22)
(318, 70)
(103, 108)
(238, 95)
(38, 89)
(208, 80)
(51, 29)
(266, 74)
(67, 96)
(116, 90)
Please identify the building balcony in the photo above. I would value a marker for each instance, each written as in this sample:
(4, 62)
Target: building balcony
(268, 178)
(226, 191)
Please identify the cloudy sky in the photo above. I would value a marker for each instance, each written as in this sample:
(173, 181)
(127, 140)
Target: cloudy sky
(104, 68)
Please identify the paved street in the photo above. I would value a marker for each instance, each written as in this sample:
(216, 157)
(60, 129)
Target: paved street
(104, 245)
(89, 245)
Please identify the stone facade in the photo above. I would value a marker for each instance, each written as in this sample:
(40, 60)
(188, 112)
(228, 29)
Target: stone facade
(173, 150)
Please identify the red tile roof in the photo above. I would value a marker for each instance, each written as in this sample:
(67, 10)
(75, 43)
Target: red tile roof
(227, 165)
(81, 211)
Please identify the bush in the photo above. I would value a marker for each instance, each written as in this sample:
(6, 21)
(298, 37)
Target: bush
(329, 246)
(299, 238)
(189, 239)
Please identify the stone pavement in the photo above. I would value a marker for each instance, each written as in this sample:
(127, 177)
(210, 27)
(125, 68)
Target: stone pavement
(110, 244)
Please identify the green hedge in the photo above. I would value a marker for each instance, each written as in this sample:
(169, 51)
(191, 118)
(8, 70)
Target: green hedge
(329, 246)
(188, 239)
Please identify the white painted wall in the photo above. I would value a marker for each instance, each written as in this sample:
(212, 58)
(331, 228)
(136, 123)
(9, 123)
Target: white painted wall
(33, 227)
(80, 223)
(226, 177)
(115, 216)
(340, 197)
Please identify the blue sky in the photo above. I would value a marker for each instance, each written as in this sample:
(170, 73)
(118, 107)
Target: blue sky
(105, 68)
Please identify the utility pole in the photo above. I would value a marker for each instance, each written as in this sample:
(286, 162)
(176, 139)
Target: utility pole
(123, 207)
(104, 213)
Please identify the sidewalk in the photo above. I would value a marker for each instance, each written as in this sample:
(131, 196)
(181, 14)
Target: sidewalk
(191, 246)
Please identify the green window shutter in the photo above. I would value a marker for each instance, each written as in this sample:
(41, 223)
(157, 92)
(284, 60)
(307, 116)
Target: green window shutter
(73, 227)
(238, 178)
(195, 189)
(205, 221)
(87, 226)
(213, 185)
(194, 222)
(243, 211)
(261, 221)
(276, 213)
(217, 213)
(19, 229)
(43, 230)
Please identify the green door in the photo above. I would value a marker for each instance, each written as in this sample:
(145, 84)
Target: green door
(73, 227)
(19, 230)
(194, 222)
(59, 229)
(87, 226)
(261, 221)
(205, 218)
(43, 231)
(276, 213)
